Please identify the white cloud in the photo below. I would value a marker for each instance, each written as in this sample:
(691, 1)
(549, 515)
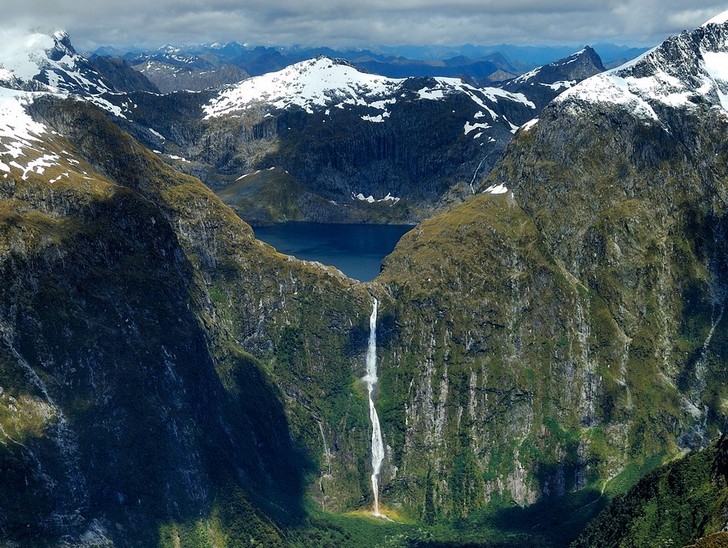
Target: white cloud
(363, 23)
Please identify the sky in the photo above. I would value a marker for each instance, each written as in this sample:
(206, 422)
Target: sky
(359, 23)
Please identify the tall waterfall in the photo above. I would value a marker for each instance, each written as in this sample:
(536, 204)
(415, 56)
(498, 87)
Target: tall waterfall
(371, 381)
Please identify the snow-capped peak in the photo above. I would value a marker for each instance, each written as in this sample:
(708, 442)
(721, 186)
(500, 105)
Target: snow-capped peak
(322, 84)
(313, 83)
(685, 70)
(48, 62)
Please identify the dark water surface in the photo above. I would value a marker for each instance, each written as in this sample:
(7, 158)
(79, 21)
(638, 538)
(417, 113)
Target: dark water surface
(356, 250)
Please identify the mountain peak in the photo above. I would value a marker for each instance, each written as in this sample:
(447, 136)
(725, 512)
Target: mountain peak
(47, 62)
(684, 70)
(545, 82)
(316, 82)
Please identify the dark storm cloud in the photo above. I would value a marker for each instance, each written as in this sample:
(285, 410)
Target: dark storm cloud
(361, 22)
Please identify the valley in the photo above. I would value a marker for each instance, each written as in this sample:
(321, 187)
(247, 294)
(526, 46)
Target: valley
(540, 360)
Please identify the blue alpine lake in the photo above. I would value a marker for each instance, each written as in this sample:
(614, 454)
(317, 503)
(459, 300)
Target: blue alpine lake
(355, 249)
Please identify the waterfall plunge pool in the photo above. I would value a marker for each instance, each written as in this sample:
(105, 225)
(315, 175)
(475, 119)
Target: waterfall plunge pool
(355, 249)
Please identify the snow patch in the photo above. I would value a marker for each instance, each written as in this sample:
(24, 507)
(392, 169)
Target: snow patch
(528, 125)
(371, 200)
(156, 134)
(563, 84)
(40, 164)
(379, 118)
(472, 127)
(525, 77)
(610, 88)
(18, 131)
(499, 188)
(719, 19)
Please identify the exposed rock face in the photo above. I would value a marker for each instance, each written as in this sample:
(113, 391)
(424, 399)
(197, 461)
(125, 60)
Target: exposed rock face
(589, 309)
(543, 84)
(121, 75)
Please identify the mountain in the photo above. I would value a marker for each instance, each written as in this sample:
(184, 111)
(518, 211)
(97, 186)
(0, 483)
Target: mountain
(168, 380)
(50, 63)
(335, 133)
(121, 75)
(126, 417)
(260, 60)
(377, 143)
(544, 83)
(568, 322)
(341, 132)
(563, 331)
(475, 64)
(173, 72)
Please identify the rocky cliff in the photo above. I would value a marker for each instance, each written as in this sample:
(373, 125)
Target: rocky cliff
(166, 377)
(583, 331)
(133, 410)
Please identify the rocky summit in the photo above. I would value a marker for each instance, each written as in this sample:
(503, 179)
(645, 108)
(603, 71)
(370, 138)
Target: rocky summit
(527, 354)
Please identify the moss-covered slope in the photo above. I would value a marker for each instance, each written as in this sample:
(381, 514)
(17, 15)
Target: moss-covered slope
(148, 393)
(682, 503)
(570, 331)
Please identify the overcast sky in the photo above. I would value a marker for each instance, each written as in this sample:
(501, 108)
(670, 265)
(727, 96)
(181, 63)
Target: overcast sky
(360, 23)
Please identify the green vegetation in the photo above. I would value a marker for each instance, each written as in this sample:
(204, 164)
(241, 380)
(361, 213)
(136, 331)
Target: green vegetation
(176, 382)
(674, 505)
(264, 197)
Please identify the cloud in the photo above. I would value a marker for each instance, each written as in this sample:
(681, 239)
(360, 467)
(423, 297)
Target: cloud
(337, 23)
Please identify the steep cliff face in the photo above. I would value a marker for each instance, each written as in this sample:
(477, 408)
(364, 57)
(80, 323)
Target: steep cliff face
(583, 331)
(132, 408)
(490, 380)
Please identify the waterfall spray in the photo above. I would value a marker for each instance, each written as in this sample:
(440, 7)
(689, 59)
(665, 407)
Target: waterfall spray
(371, 381)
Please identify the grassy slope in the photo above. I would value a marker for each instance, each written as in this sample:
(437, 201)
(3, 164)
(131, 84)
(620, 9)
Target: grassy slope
(675, 505)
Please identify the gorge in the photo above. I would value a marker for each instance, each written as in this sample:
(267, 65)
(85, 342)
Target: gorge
(548, 339)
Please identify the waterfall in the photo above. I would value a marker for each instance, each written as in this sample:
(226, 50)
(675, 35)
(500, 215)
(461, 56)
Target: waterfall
(371, 381)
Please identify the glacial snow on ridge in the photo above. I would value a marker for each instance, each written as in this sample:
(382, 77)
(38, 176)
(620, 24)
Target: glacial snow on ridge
(313, 83)
(719, 19)
(18, 134)
(40, 61)
(684, 70)
(37, 62)
(322, 83)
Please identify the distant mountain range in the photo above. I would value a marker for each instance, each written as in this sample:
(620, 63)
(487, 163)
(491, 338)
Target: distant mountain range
(321, 132)
(477, 65)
